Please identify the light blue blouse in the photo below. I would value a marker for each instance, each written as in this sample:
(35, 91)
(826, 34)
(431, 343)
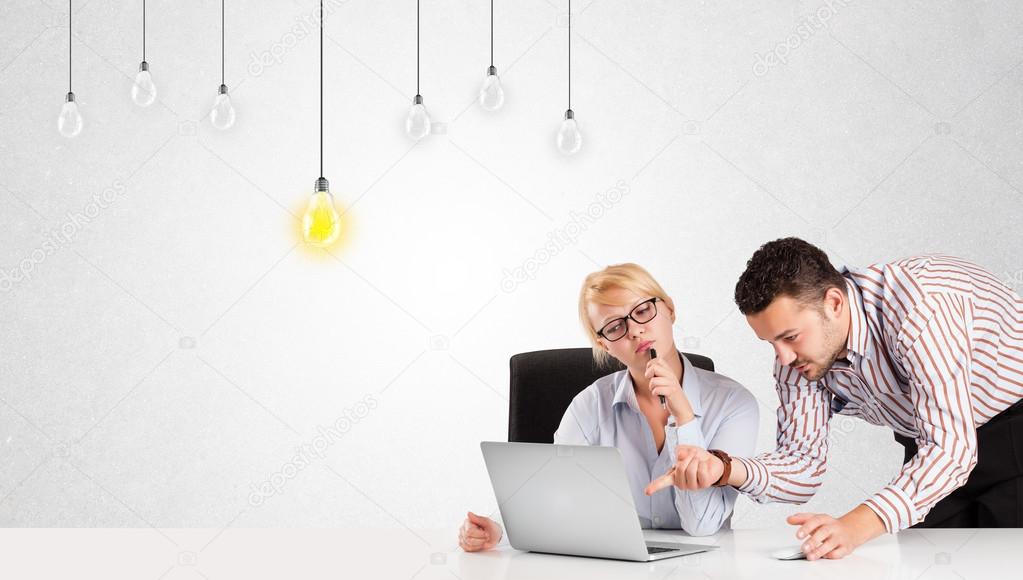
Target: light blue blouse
(726, 417)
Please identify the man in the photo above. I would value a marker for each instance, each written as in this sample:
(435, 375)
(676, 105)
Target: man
(930, 346)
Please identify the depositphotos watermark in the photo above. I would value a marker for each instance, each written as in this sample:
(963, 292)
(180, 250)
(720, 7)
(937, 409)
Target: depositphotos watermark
(1013, 280)
(565, 236)
(307, 453)
(55, 239)
(304, 26)
(839, 427)
(806, 28)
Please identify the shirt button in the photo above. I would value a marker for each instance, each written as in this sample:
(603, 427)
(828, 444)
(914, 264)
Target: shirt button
(657, 520)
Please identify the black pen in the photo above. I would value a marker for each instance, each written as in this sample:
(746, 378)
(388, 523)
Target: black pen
(653, 355)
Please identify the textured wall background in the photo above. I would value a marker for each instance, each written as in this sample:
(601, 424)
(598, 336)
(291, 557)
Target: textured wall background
(168, 346)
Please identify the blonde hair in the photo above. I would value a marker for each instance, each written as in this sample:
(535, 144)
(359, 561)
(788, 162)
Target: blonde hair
(597, 286)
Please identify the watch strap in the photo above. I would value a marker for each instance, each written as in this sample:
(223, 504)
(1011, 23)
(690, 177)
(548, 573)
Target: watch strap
(727, 461)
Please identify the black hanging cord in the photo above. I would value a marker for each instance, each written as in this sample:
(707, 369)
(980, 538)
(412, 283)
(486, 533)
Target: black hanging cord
(491, 32)
(221, 41)
(569, 54)
(69, 46)
(143, 30)
(321, 89)
(417, 47)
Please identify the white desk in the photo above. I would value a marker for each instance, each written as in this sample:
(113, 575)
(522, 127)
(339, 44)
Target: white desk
(302, 554)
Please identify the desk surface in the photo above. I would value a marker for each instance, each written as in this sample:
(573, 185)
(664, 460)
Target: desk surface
(405, 554)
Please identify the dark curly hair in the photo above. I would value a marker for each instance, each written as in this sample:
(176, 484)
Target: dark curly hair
(789, 267)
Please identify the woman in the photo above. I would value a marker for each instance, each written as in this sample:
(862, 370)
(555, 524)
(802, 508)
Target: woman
(626, 313)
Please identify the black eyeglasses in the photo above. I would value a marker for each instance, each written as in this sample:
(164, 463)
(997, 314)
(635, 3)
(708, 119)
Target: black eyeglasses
(615, 329)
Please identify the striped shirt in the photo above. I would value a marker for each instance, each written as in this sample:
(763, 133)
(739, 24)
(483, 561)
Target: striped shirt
(935, 350)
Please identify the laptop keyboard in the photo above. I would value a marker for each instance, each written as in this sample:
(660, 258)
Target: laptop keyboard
(657, 550)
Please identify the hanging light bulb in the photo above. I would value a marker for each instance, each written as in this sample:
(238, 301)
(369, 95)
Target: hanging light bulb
(570, 140)
(492, 94)
(69, 123)
(321, 224)
(222, 115)
(143, 90)
(417, 124)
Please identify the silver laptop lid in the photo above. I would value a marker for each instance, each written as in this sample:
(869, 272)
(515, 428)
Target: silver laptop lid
(565, 499)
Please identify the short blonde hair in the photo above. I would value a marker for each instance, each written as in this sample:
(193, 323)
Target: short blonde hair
(595, 290)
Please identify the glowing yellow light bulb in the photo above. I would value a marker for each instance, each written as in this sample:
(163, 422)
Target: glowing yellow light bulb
(321, 224)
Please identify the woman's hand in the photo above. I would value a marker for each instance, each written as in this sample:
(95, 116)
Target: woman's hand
(478, 533)
(662, 381)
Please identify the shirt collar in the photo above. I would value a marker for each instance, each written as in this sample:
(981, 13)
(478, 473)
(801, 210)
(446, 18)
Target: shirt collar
(859, 331)
(625, 392)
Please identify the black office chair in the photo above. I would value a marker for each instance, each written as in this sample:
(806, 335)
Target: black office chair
(544, 382)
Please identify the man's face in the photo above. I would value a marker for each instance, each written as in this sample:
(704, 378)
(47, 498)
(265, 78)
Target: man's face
(807, 337)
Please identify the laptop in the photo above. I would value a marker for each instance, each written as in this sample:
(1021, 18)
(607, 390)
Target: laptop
(573, 500)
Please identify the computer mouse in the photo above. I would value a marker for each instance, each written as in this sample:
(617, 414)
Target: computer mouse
(789, 554)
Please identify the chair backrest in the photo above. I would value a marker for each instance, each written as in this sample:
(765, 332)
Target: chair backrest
(544, 382)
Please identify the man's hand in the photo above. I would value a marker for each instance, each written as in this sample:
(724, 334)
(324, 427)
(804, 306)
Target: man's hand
(694, 468)
(826, 537)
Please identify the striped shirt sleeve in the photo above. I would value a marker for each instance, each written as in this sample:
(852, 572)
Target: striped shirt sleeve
(793, 472)
(935, 348)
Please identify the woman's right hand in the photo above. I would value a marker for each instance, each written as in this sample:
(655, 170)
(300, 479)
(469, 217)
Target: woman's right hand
(478, 533)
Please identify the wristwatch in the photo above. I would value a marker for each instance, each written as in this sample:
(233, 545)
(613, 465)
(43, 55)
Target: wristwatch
(727, 461)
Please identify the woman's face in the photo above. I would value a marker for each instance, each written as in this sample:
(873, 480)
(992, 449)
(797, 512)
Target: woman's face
(632, 348)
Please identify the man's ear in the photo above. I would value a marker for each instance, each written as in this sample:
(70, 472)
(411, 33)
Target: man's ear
(834, 301)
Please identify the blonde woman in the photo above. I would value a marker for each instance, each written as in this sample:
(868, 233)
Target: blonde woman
(625, 313)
